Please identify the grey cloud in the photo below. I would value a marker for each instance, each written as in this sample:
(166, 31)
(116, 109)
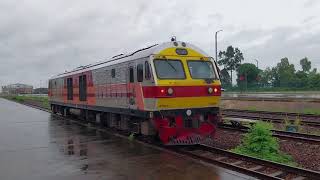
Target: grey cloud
(282, 45)
(310, 3)
(40, 38)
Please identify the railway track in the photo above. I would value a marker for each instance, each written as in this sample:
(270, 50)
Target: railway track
(301, 137)
(314, 100)
(279, 117)
(240, 163)
(255, 167)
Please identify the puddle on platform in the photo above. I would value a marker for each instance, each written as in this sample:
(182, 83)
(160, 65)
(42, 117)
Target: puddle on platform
(46, 147)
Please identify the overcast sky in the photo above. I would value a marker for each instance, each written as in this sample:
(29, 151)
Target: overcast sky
(40, 38)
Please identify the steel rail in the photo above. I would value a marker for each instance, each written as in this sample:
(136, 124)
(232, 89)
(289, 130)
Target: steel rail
(272, 99)
(302, 137)
(279, 113)
(285, 169)
(308, 119)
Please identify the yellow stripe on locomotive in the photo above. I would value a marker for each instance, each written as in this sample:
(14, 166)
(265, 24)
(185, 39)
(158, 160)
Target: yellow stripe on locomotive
(186, 102)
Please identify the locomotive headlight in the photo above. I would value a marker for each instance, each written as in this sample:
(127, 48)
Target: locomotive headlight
(215, 90)
(210, 90)
(189, 112)
(170, 91)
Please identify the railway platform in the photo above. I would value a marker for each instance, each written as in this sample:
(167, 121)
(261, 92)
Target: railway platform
(36, 145)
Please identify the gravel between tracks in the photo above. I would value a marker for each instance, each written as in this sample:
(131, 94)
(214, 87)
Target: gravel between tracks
(306, 155)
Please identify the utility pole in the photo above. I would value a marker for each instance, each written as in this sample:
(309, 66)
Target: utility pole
(257, 63)
(258, 71)
(216, 44)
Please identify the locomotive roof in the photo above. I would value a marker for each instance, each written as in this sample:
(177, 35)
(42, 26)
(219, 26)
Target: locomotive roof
(145, 52)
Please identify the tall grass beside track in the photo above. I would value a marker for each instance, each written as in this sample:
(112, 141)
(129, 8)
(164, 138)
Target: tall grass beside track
(260, 143)
(37, 100)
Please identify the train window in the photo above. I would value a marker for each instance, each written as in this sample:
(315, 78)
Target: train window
(201, 69)
(113, 73)
(131, 74)
(140, 72)
(83, 88)
(147, 74)
(169, 69)
(69, 89)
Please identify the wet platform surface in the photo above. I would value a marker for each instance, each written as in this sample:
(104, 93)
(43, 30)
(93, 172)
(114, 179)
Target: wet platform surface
(36, 145)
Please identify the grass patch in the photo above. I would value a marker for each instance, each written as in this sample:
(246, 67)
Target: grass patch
(311, 111)
(252, 108)
(292, 125)
(260, 143)
(43, 101)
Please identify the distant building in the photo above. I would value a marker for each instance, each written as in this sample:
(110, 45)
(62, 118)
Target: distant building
(17, 89)
(40, 91)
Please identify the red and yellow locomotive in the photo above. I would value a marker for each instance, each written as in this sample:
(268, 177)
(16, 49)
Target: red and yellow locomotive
(171, 90)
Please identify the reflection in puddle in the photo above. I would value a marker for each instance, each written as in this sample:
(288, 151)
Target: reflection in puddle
(70, 147)
(69, 151)
(100, 154)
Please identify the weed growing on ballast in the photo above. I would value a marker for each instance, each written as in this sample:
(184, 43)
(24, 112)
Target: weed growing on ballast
(260, 143)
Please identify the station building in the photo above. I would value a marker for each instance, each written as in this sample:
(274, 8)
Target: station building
(17, 89)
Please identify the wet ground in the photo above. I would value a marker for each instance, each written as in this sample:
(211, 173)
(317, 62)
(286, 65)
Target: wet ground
(36, 145)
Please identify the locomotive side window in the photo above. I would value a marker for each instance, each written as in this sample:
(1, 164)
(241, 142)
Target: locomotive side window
(147, 74)
(169, 69)
(83, 88)
(113, 73)
(69, 89)
(140, 72)
(131, 74)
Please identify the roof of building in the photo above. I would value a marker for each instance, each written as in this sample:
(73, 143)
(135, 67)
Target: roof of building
(18, 85)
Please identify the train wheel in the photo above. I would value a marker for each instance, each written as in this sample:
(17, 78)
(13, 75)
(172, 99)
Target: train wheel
(53, 109)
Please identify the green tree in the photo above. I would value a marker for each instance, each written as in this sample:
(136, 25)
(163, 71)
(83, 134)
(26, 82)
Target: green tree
(250, 74)
(266, 77)
(314, 80)
(230, 59)
(305, 64)
(225, 78)
(301, 79)
(284, 74)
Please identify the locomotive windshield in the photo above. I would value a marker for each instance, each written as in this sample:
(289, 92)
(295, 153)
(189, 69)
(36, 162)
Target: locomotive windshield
(201, 69)
(169, 69)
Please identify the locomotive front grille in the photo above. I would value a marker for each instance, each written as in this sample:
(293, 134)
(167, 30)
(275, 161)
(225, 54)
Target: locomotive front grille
(188, 123)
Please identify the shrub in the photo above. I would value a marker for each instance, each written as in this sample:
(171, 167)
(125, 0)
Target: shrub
(260, 143)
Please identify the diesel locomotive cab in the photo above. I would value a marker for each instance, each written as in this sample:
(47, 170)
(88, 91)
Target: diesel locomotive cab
(170, 89)
(188, 93)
